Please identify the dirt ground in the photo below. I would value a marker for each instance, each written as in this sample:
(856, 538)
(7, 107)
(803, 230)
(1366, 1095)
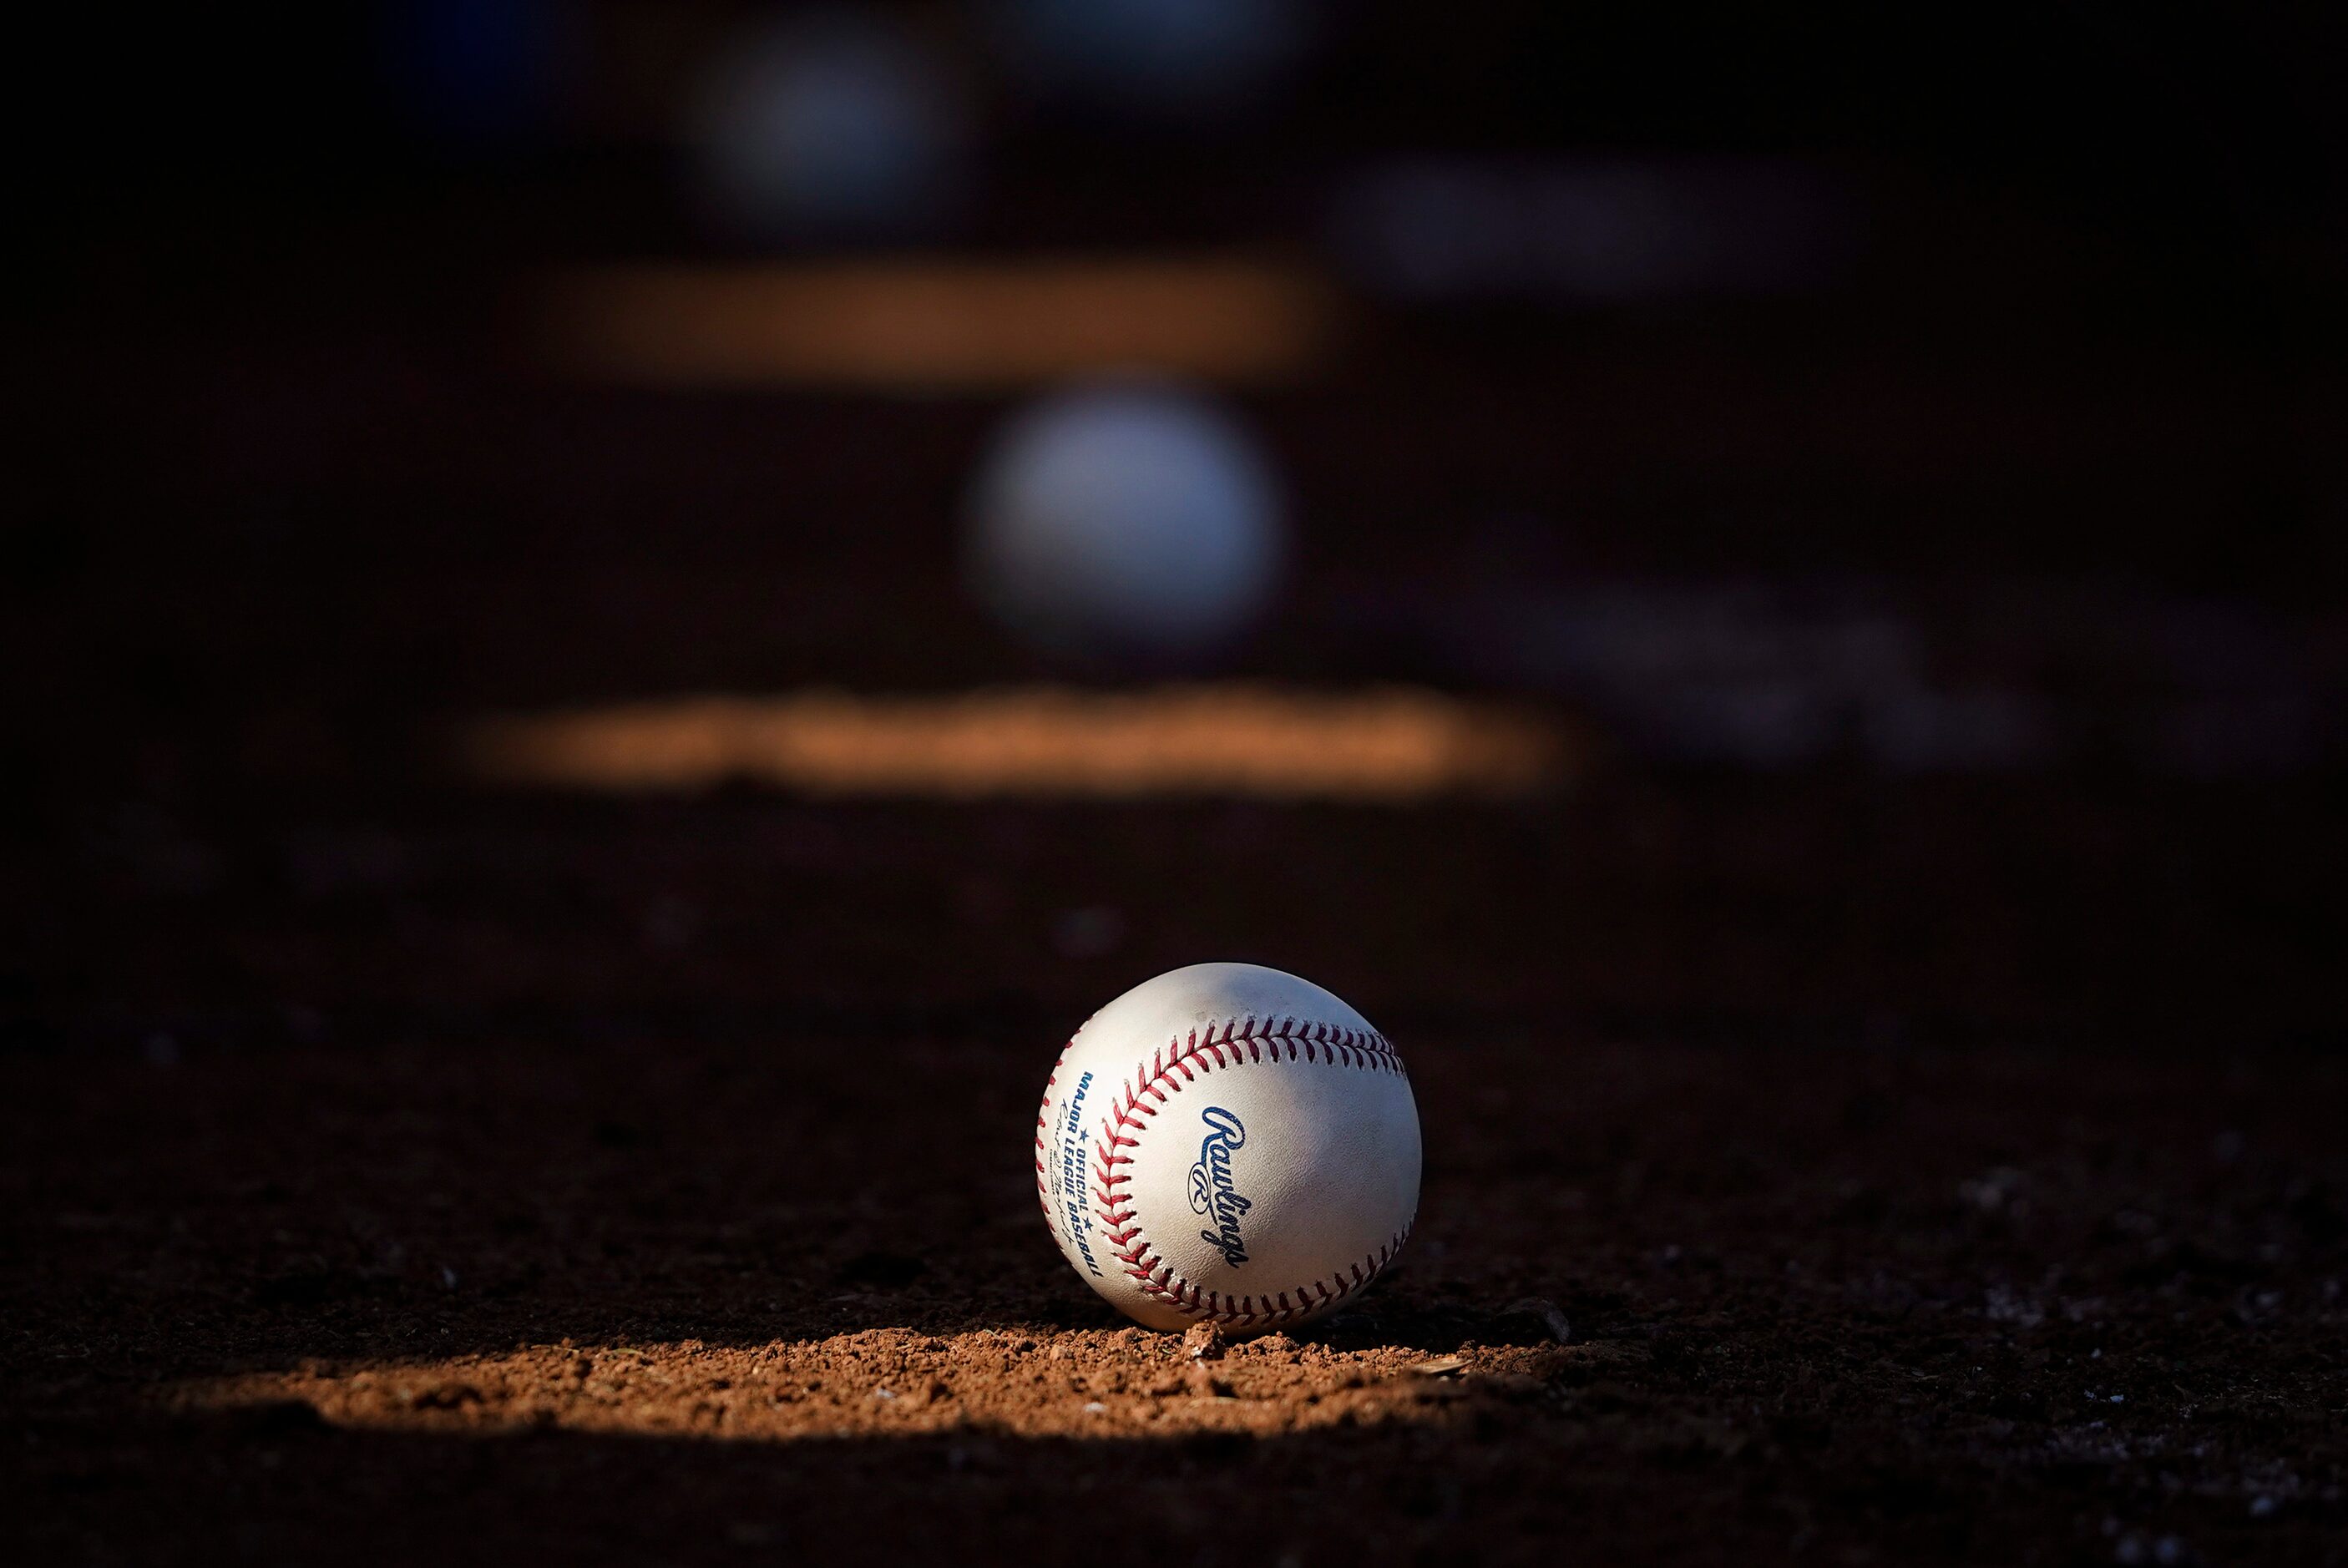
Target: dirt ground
(1824, 1165)
(490, 1178)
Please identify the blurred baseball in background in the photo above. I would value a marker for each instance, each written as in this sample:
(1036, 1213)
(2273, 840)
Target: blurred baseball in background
(1128, 522)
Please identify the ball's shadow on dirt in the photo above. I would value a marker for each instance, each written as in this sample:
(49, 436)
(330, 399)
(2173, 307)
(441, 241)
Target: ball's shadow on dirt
(890, 1284)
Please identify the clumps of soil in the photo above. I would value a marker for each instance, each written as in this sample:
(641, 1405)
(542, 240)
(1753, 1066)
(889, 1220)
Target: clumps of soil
(899, 1381)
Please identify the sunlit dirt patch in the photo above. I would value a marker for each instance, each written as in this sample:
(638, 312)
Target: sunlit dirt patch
(880, 1382)
(1244, 740)
(938, 326)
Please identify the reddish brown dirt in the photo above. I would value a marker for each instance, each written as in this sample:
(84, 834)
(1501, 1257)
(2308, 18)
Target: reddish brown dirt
(1924, 1169)
(650, 1185)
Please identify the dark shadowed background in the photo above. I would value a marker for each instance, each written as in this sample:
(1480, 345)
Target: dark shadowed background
(1892, 468)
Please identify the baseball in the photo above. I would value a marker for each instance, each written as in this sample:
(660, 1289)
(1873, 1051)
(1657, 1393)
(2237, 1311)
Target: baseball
(1228, 1144)
(1126, 522)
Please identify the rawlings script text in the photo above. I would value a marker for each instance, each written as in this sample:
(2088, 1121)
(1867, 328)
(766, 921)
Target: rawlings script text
(1210, 1184)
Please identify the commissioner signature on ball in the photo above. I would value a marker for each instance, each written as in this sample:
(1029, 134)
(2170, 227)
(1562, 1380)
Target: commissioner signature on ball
(1212, 1193)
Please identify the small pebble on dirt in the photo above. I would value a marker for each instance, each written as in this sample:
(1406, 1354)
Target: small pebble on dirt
(1547, 1313)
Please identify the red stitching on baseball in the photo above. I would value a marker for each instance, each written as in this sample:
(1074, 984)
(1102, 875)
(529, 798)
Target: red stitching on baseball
(1043, 1120)
(1157, 1280)
(1192, 1058)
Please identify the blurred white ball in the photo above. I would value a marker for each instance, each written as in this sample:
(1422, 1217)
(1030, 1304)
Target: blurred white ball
(1126, 522)
(830, 126)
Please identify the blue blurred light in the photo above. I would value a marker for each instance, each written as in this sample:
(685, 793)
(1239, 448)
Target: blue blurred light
(474, 70)
(832, 126)
(1152, 59)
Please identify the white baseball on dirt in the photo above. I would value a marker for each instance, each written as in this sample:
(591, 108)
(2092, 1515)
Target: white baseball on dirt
(1228, 1144)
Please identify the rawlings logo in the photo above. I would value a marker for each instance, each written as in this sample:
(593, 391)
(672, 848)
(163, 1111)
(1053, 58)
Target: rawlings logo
(1212, 1194)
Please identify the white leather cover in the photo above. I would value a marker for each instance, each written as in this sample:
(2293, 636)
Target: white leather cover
(1230, 1144)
